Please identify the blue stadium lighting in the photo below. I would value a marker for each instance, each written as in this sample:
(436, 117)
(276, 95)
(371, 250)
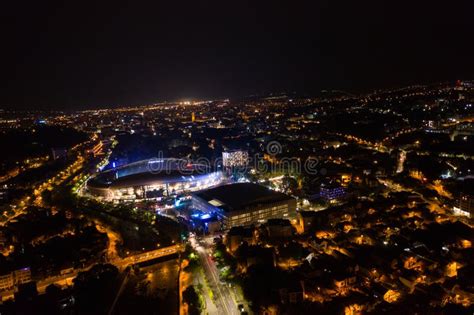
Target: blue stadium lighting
(201, 216)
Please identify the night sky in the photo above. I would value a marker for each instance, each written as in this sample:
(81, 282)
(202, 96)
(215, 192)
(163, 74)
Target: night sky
(79, 54)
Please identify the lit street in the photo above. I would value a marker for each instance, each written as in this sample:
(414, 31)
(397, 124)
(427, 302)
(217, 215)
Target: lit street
(226, 302)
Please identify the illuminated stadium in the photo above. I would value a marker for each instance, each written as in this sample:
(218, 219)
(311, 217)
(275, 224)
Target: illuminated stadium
(153, 178)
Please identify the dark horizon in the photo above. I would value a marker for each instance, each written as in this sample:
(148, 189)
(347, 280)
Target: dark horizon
(68, 56)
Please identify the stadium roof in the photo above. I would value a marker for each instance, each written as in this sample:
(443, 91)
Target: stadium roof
(150, 172)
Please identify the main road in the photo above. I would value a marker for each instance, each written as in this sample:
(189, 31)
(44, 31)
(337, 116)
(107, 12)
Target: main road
(225, 299)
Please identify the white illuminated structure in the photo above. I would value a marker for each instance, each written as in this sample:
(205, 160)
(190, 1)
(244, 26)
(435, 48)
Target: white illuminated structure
(236, 158)
(149, 179)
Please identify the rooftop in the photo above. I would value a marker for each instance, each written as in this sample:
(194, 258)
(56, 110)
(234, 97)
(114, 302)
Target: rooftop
(240, 196)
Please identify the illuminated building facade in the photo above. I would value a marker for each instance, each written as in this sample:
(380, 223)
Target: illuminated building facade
(465, 206)
(244, 204)
(14, 278)
(236, 158)
(332, 192)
